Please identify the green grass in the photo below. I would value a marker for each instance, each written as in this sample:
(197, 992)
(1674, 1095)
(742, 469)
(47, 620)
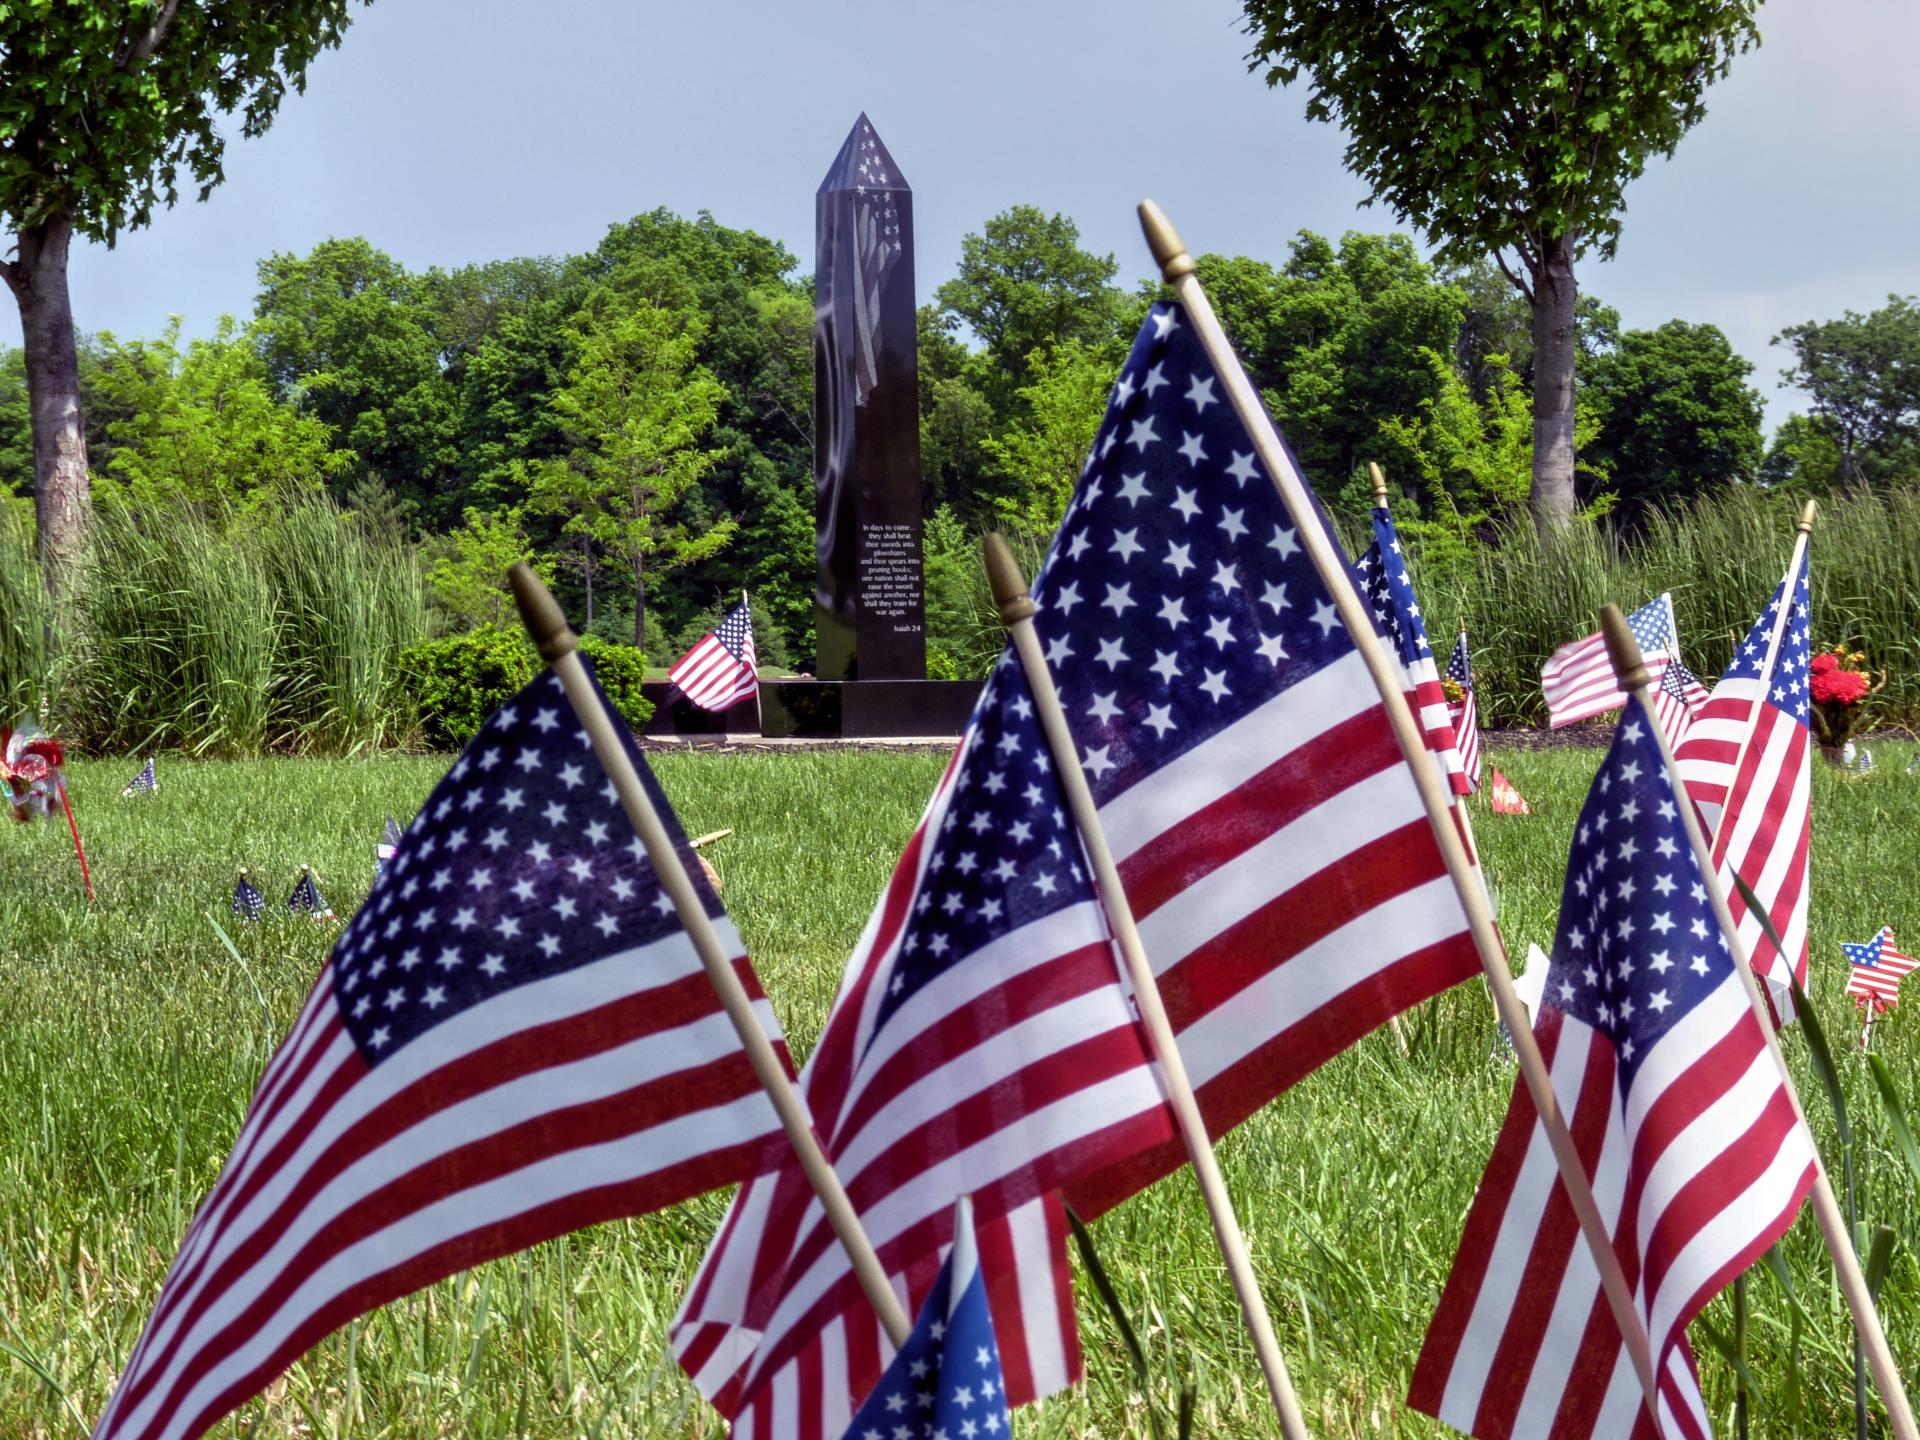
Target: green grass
(130, 1042)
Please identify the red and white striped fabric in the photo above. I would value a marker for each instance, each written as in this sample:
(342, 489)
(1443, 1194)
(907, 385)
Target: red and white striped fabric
(470, 1075)
(1388, 587)
(721, 670)
(981, 1044)
(1747, 765)
(1578, 680)
(1687, 1132)
(1465, 712)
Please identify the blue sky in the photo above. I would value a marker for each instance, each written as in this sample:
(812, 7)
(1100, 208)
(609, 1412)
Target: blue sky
(450, 131)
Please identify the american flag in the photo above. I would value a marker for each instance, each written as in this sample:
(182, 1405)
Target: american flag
(719, 672)
(1389, 590)
(1465, 712)
(980, 1043)
(1877, 969)
(1673, 700)
(514, 1038)
(1697, 1158)
(306, 897)
(142, 784)
(248, 902)
(946, 1382)
(1578, 679)
(1760, 816)
(388, 847)
(1274, 848)
(878, 246)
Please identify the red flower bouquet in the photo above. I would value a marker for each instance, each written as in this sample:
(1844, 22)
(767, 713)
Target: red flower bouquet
(1838, 681)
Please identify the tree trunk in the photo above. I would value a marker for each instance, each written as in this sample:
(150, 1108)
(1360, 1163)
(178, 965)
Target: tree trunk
(639, 603)
(1554, 293)
(62, 503)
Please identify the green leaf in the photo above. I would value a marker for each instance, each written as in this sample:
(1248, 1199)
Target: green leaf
(1879, 1260)
(1896, 1114)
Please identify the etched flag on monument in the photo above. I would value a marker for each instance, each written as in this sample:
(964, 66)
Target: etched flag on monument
(1690, 1137)
(512, 1039)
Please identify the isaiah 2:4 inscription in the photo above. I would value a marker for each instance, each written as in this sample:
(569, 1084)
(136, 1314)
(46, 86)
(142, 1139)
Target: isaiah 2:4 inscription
(890, 578)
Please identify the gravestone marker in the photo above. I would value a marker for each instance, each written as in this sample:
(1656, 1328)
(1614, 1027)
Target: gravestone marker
(870, 604)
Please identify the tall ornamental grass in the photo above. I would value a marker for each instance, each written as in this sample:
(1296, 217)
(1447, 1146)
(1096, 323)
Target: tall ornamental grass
(219, 638)
(1720, 558)
(23, 615)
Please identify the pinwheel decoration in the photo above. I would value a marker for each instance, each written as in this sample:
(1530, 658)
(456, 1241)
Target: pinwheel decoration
(30, 762)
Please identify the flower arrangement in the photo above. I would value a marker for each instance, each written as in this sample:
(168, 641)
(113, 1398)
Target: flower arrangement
(1838, 681)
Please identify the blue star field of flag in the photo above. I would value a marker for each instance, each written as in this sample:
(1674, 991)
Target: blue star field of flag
(1005, 854)
(306, 894)
(945, 1383)
(1652, 626)
(248, 902)
(1788, 691)
(1177, 598)
(1459, 667)
(1866, 956)
(1638, 945)
(1389, 591)
(735, 631)
(521, 865)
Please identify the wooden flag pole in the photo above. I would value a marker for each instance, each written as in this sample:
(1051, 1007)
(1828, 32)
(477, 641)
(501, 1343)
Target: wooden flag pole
(1016, 613)
(1723, 834)
(547, 627)
(1630, 668)
(1176, 267)
(759, 719)
(1379, 479)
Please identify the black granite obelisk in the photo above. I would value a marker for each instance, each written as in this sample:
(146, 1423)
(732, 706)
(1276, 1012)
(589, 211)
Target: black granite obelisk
(870, 596)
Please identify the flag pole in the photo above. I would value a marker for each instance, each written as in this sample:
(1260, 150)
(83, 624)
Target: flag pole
(1016, 613)
(759, 719)
(547, 627)
(1631, 671)
(1177, 269)
(1379, 479)
(1723, 834)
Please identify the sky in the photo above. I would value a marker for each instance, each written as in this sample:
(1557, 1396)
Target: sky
(455, 131)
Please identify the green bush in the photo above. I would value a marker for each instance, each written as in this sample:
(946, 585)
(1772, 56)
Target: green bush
(455, 682)
(23, 617)
(621, 668)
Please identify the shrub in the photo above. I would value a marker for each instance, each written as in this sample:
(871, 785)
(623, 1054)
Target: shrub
(457, 681)
(620, 668)
(23, 617)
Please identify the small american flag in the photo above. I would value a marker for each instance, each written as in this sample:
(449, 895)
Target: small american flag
(1388, 586)
(512, 1039)
(1697, 1158)
(1877, 969)
(946, 1381)
(388, 847)
(1673, 700)
(1760, 816)
(1578, 681)
(248, 902)
(719, 672)
(142, 784)
(1465, 712)
(306, 897)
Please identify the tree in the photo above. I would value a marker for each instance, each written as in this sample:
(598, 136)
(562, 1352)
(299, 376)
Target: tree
(1025, 284)
(1509, 130)
(1042, 453)
(1675, 415)
(635, 409)
(348, 334)
(1863, 372)
(104, 106)
(201, 423)
(467, 567)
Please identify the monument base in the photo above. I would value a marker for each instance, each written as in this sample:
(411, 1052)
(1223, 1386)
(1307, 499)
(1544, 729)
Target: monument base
(824, 709)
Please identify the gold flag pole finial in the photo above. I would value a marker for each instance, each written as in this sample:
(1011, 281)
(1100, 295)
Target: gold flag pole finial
(1623, 649)
(545, 622)
(1806, 517)
(1169, 252)
(1379, 479)
(1009, 586)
